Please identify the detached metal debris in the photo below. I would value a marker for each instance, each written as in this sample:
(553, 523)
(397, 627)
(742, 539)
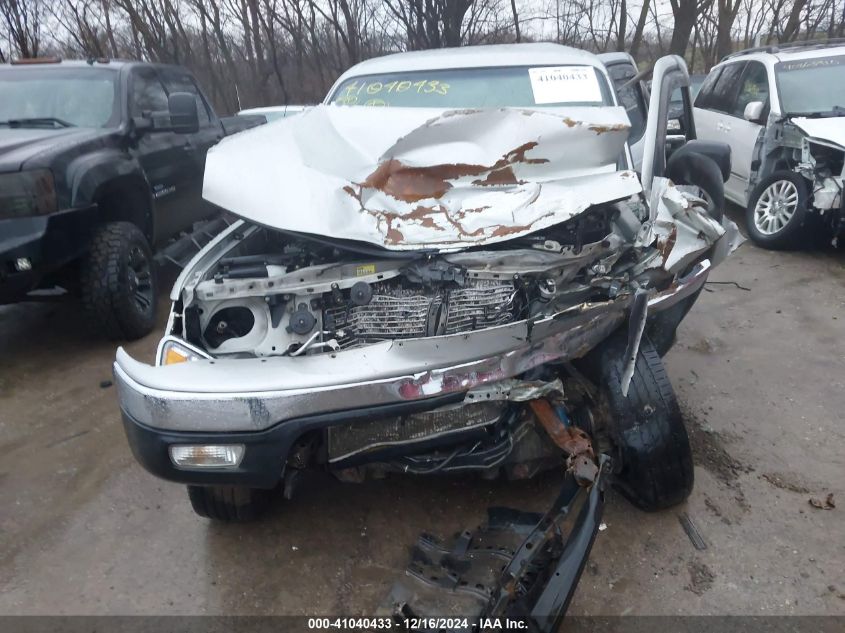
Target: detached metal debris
(519, 566)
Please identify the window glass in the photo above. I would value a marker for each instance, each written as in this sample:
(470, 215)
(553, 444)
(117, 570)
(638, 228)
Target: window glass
(726, 89)
(755, 87)
(86, 97)
(630, 97)
(178, 81)
(812, 86)
(515, 86)
(706, 90)
(147, 93)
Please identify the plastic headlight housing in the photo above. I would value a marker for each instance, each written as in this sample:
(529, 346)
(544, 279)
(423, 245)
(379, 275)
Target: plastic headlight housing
(206, 456)
(172, 351)
(27, 193)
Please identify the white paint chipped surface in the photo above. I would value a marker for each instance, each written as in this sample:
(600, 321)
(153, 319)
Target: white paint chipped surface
(413, 178)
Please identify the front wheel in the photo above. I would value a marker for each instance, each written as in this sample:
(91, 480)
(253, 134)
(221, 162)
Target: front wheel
(652, 452)
(777, 210)
(229, 503)
(119, 290)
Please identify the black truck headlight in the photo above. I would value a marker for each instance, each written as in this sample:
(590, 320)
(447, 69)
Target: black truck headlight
(27, 193)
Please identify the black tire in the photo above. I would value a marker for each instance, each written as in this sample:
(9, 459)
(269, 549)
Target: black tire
(118, 282)
(661, 328)
(229, 503)
(790, 235)
(652, 454)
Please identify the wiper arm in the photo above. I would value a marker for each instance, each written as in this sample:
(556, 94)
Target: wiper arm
(37, 121)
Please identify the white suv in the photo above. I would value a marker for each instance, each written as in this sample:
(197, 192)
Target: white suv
(783, 113)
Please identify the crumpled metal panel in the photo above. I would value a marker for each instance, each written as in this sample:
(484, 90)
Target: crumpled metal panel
(679, 226)
(414, 178)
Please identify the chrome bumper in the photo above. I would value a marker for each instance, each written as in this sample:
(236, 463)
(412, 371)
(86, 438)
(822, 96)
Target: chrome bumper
(254, 394)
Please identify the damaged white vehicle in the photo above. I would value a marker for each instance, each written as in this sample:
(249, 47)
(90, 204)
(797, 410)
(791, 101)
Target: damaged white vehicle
(473, 279)
(782, 110)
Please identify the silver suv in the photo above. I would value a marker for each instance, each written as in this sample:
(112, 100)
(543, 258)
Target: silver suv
(782, 110)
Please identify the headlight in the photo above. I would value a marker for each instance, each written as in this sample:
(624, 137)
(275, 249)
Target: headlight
(207, 456)
(27, 193)
(172, 351)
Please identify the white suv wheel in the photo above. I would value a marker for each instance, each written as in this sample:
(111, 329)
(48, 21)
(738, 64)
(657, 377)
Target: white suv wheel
(775, 207)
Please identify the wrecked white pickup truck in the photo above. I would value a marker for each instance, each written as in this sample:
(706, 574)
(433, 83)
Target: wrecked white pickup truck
(473, 279)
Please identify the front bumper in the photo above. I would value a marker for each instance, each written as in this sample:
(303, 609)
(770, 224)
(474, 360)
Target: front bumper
(48, 242)
(255, 394)
(265, 451)
(267, 404)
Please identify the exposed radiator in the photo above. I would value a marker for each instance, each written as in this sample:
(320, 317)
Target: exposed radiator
(400, 313)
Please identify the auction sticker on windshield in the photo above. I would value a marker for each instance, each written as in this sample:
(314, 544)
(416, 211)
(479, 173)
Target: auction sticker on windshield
(564, 84)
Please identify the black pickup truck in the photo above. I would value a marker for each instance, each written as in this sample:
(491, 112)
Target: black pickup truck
(100, 163)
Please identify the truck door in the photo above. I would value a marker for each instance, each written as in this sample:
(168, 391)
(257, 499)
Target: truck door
(196, 145)
(162, 156)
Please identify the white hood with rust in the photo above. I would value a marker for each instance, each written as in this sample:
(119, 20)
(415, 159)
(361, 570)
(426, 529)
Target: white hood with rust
(413, 178)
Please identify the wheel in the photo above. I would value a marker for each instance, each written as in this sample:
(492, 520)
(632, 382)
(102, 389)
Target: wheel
(652, 454)
(118, 282)
(229, 503)
(661, 328)
(777, 210)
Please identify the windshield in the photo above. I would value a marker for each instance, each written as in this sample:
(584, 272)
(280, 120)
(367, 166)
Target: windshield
(517, 86)
(84, 97)
(811, 86)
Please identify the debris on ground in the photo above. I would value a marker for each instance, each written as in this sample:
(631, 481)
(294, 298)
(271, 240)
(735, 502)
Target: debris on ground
(692, 531)
(785, 482)
(105, 384)
(827, 504)
(701, 578)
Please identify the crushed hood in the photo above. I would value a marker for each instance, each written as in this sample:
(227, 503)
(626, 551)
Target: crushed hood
(830, 129)
(414, 178)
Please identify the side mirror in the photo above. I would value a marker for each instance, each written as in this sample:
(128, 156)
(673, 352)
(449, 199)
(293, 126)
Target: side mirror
(182, 107)
(754, 112)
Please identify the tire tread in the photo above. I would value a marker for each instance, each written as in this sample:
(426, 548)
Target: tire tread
(233, 504)
(656, 470)
(104, 288)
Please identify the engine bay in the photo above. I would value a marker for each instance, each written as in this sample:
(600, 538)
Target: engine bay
(278, 294)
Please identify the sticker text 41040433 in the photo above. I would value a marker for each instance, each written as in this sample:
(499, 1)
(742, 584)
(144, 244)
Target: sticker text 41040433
(373, 92)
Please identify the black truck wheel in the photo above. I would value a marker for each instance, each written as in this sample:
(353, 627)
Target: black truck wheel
(777, 210)
(229, 503)
(652, 454)
(118, 282)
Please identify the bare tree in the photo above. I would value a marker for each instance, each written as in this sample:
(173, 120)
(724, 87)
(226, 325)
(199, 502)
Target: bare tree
(685, 13)
(23, 21)
(639, 29)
